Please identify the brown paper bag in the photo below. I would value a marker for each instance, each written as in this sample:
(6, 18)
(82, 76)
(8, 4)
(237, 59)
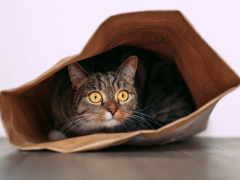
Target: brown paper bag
(25, 110)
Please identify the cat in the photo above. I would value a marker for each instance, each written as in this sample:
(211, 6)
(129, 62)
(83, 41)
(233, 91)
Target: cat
(142, 92)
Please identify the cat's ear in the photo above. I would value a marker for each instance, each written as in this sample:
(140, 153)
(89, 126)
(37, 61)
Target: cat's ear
(128, 68)
(77, 74)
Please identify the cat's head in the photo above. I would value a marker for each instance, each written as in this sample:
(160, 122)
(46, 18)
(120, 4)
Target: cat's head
(103, 100)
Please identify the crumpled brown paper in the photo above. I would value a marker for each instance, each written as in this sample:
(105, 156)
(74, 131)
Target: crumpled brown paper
(25, 110)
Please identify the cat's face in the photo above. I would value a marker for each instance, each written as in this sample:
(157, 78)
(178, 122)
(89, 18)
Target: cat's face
(103, 100)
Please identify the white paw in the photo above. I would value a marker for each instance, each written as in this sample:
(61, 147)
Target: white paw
(55, 135)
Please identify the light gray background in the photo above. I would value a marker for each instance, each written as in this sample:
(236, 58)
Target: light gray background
(34, 35)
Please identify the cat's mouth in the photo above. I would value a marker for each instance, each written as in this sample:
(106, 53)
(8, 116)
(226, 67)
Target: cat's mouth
(111, 122)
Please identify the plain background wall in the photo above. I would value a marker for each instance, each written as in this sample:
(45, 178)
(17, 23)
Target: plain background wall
(34, 35)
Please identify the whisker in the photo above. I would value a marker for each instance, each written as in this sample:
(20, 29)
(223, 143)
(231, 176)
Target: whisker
(145, 107)
(145, 118)
(69, 123)
(67, 126)
(136, 121)
(142, 119)
(124, 125)
(131, 125)
(70, 129)
(79, 116)
(81, 127)
(150, 118)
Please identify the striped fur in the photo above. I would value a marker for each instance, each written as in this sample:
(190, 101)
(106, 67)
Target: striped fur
(158, 94)
(75, 114)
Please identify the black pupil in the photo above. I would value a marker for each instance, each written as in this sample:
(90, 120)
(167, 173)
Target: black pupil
(122, 95)
(95, 96)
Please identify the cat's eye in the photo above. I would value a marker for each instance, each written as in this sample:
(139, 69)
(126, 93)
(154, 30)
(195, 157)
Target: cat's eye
(122, 96)
(95, 97)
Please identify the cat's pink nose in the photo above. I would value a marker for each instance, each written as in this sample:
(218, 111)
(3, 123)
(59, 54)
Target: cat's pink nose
(112, 110)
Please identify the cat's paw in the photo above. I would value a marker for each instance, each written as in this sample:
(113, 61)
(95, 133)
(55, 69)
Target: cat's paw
(55, 135)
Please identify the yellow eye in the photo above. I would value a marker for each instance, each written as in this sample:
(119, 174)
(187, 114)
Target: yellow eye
(122, 96)
(95, 97)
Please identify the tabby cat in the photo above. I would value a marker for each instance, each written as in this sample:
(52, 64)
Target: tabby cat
(142, 92)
